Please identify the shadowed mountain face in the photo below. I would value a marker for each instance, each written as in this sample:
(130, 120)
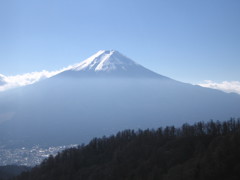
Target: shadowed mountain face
(100, 96)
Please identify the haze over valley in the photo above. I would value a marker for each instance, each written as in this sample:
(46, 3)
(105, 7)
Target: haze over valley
(102, 95)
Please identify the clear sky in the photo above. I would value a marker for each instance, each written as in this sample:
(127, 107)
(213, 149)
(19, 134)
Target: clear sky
(187, 40)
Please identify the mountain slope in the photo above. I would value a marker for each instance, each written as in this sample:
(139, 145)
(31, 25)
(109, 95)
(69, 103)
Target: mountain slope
(204, 151)
(77, 105)
(109, 64)
(10, 171)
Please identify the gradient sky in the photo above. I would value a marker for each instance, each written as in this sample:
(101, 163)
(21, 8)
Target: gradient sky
(187, 40)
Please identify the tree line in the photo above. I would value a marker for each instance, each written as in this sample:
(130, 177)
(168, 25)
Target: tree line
(202, 151)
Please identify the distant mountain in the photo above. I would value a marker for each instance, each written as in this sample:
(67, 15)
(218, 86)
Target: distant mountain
(109, 64)
(104, 94)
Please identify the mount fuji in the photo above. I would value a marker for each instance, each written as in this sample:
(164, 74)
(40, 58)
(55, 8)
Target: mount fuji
(109, 64)
(102, 95)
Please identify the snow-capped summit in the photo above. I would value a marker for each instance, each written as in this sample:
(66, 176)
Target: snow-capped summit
(109, 63)
(105, 60)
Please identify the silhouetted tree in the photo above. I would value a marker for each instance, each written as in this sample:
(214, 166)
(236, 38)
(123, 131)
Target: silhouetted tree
(202, 151)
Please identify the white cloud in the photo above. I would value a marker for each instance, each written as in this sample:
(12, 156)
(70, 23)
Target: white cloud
(2, 80)
(226, 86)
(9, 82)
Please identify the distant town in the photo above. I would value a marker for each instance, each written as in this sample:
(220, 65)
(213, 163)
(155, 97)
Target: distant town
(28, 156)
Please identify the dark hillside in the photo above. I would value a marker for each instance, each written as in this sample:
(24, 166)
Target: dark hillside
(201, 151)
(11, 170)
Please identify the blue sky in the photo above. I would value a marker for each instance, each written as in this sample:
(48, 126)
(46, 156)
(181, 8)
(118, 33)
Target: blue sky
(187, 40)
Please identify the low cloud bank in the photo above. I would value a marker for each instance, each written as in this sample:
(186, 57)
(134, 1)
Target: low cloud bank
(226, 86)
(9, 82)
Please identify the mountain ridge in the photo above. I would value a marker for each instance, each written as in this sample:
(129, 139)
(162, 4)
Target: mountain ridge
(203, 151)
(74, 106)
(109, 63)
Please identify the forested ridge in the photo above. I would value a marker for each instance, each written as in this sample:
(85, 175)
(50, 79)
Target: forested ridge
(201, 151)
(11, 170)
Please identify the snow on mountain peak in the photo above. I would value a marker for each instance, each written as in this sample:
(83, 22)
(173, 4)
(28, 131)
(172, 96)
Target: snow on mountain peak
(109, 64)
(105, 60)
